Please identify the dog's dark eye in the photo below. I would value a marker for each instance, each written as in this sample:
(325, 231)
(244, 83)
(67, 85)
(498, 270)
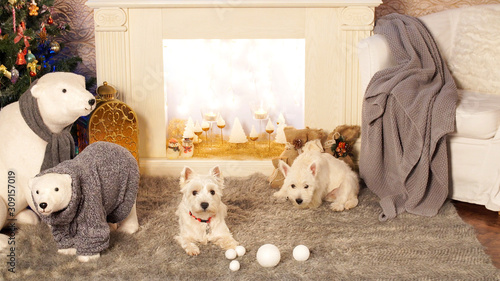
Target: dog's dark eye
(306, 187)
(293, 185)
(212, 192)
(37, 192)
(64, 90)
(56, 189)
(195, 192)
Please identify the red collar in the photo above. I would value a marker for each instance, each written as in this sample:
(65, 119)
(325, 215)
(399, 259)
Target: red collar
(200, 220)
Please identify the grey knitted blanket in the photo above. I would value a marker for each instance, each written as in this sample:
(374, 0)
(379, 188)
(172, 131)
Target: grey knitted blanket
(408, 110)
(60, 146)
(105, 179)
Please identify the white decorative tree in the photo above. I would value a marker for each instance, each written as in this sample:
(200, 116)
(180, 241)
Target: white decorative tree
(281, 119)
(237, 133)
(280, 134)
(189, 129)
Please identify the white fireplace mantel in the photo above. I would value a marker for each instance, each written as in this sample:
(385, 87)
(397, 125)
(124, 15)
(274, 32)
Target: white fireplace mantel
(129, 34)
(231, 3)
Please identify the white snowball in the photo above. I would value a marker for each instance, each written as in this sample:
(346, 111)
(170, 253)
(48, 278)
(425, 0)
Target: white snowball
(268, 255)
(230, 254)
(234, 265)
(240, 250)
(301, 253)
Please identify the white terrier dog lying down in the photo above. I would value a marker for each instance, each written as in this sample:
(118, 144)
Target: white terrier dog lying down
(201, 212)
(316, 176)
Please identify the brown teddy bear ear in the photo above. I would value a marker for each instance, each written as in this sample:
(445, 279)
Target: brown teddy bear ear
(290, 133)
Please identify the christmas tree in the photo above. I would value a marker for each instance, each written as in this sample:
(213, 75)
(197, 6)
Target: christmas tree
(28, 46)
(237, 134)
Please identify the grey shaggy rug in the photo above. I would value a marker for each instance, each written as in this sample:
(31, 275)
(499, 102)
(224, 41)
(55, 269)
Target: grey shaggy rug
(350, 245)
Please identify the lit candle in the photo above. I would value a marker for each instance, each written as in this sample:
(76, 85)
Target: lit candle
(210, 116)
(260, 114)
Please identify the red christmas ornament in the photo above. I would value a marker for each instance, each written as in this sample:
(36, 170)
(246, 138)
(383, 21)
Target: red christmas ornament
(20, 58)
(50, 20)
(32, 73)
(20, 35)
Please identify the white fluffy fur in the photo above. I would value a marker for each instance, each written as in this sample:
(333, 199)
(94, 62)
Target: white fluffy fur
(198, 189)
(316, 176)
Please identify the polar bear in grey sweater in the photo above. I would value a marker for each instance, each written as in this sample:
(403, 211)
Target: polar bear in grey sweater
(78, 198)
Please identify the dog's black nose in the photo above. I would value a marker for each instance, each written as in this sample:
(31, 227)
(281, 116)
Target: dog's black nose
(43, 205)
(298, 200)
(91, 102)
(204, 205)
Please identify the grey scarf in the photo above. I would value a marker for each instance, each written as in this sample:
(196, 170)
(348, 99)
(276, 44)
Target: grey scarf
(60, 146)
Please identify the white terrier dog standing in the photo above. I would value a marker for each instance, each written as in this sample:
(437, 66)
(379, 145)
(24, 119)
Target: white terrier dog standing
(316, 176)
(201, 212)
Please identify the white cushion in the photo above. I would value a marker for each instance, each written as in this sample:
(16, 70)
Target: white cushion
(443, 27)
(374, 55)
(478, 115)
(475, 57)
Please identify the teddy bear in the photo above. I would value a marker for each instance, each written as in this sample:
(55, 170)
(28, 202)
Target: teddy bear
(34, 136)
(296, 142)
(341, 143)
(79, 197)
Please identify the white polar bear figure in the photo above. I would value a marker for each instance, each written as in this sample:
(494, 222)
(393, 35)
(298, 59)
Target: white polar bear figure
(79, 197)
(61, 98)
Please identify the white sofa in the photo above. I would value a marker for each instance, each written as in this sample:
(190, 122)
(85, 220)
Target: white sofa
(469, 41)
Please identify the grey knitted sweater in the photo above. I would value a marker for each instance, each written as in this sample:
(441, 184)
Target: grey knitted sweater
(105, 179)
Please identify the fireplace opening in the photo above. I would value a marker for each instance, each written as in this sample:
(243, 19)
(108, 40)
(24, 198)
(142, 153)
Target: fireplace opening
(231, 98)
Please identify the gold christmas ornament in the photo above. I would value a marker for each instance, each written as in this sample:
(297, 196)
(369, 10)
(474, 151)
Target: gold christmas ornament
(5, 72)
(54, 47)
(33, 8)
(114, 121)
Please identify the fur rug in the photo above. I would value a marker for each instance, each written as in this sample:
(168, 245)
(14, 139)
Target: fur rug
(344, 246)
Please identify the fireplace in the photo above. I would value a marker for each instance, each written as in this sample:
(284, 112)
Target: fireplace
(129, 53)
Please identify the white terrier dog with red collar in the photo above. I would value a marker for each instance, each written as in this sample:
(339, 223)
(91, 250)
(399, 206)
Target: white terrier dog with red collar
(201, 212)
(316, 176)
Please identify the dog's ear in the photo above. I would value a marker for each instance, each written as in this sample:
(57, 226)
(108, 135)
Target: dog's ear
(186, 175)
(216, 173)
(313, 168)
(284, 168)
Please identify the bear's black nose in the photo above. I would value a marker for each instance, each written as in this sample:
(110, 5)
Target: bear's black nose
(91, 102)
(204, 205)
(43, 205)
(298, 200)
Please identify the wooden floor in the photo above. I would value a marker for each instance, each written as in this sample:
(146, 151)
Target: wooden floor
(487, 225)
